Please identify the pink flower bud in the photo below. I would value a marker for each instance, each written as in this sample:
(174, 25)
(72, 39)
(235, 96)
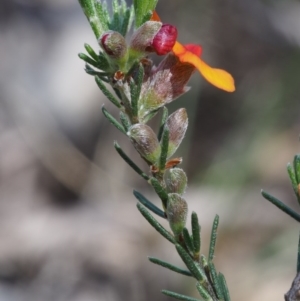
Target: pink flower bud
(113, 44)
(142, 38)
(165, 39)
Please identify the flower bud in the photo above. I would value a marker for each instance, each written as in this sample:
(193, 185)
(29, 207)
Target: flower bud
(145, 142)
(166, 83)
(113, 44)
(142, 38)
(176, 181)
(177, 124)
(177, 210)
(165, 39)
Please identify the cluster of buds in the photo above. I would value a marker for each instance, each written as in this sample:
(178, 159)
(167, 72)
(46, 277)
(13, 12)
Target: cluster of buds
(142, 90)
(157, 87)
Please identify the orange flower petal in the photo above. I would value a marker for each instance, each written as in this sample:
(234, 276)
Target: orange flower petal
(196, 49)
(217, 77)
(155, 17)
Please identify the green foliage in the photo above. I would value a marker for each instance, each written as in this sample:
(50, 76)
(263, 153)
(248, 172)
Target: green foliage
(164, 149)
(125, 121)
(213, 239)
(129, 161)
(143, 11)
(164, 118)
(170, 266)
(155, 224)
(97, 14)
(148, 204)
(135, 89)
(161, 192)
(113, 121)
(107, 93)
(196, 234)
(179, 296)
(94, 17)
(193, 267)
(279, 204)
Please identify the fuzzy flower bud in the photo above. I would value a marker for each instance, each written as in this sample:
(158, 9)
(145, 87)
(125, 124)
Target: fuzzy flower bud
(176, 181)
(113, 44)
(145, 142)
(154, 36)
(142, 38)
(177, 210)
(177, 124)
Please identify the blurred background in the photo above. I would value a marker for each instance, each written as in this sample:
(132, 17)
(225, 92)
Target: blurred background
(69, 229)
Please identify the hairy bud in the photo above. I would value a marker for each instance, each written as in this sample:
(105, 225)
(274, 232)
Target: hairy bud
(145, 142)
(176, 181)
(113, 44)
(177, 210)
(142, 38)
(177, 124)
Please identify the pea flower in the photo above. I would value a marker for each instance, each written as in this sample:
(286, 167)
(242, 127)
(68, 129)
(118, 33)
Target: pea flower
(190, 53)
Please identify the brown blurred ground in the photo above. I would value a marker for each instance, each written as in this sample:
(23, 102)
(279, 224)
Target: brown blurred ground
(69, 229)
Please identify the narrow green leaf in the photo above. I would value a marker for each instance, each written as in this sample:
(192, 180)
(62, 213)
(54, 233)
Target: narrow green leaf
(113, 121)
(213, 239)
(164, 143)
(143, 10)
(91, 52)
(149, 116)
(135, 89)
(148, 204)
(170, 266)
(191, 265)
(164, 118)
(106, 92)
(125, 23)
(203, 292)
(161, 192)
(188, 240)
(293, 179)
(155, 224)
(130, 162)
(179, 296)
(125, 121)
(289, 211)
(224, 287)
(196, 233)
(139, 80)
(89, 70)
(134, 97)
(297, 167)
(89, 9)
(118, 93)
(215, 280)
(102, 13)
(88, 59)
(298, 256)
(103, 63)
(115, 24)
